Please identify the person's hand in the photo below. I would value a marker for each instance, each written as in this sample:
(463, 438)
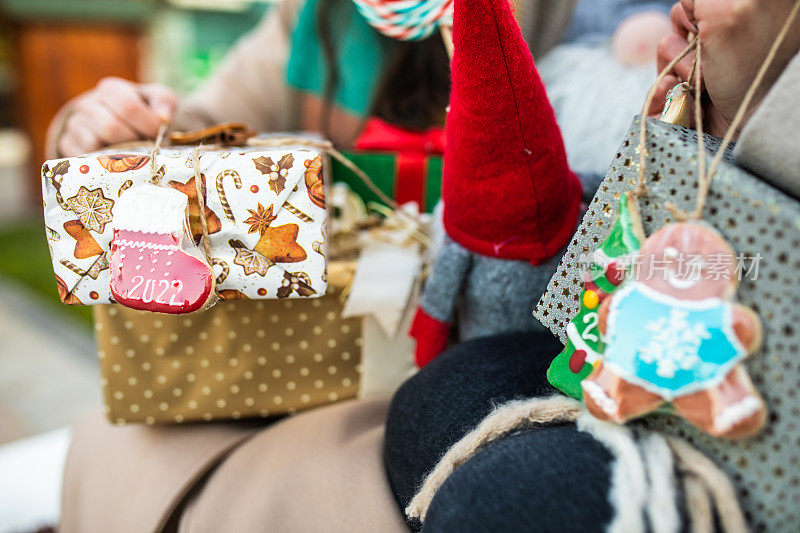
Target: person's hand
(736, 37)
(115, 111)
(636, 38)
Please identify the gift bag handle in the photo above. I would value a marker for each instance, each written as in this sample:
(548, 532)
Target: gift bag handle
(704, 177)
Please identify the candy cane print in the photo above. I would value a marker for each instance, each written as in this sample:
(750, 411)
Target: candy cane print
(226, 270)
(237, 182)
(73, 267)
(299, 214)
(124, 187)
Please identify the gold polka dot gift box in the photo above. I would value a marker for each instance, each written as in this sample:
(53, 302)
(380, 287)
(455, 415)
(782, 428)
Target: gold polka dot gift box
(242, 359)
(262, 209)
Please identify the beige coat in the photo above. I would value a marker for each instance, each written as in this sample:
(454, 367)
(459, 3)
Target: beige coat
(318, 471)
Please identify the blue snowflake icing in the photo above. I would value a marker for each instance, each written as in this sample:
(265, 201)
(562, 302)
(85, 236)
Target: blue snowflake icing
(668, 346)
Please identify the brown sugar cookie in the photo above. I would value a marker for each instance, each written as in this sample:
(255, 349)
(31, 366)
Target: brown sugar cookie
(212, 220)
(85, 245)
(279, 244)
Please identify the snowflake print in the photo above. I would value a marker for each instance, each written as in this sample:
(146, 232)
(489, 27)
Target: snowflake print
(92, 208)
(675, 343)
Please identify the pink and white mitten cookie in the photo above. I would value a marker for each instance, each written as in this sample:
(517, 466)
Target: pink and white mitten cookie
(150, 270)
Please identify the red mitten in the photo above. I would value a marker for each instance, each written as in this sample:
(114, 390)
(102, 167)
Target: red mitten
(149, 269)
(431, 336)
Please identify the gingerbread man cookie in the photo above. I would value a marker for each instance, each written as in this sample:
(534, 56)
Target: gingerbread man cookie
(674, 335)
(150, 270)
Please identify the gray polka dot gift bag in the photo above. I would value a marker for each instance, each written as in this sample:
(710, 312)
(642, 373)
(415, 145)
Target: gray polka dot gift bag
(762, 224)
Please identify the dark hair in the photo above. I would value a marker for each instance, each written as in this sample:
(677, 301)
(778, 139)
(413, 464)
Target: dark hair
(413, 89)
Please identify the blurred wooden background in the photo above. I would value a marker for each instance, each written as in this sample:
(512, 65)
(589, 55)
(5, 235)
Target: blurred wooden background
(58, 61)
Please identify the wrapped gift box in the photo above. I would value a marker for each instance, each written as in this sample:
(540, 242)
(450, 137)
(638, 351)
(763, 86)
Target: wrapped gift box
(264, 208)
(405, 178)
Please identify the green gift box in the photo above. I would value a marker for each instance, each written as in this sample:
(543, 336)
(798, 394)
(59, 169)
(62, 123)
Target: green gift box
(403, 177)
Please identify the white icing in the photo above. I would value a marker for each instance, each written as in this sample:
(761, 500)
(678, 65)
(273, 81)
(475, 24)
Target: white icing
(601, 258)
(144, 245)
(603, 400)
(683, 283)
(150, 209)
(591, 355)
(733, 414)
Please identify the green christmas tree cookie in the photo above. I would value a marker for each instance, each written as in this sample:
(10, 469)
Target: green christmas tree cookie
(609, 266)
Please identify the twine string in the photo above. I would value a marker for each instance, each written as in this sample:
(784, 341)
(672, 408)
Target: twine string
(198, 179)
(323, 146)
(641, 183)
(327, 147)
(705, 178)
(155, 177)
(695, 75)
(748, 98)
(201, 201)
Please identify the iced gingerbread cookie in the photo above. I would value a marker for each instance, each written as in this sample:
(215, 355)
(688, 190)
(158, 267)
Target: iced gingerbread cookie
(674, 335)
(150, 270)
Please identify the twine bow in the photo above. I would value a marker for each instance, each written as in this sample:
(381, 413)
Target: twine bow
(155, 178)
(245, 136)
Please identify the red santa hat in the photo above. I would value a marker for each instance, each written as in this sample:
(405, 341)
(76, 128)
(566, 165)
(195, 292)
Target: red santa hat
(507, 189)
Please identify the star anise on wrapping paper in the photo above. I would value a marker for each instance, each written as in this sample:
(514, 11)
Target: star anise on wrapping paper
(92, 208)
(260, 219)
(252, 262)
(276, 174)
(298, 282)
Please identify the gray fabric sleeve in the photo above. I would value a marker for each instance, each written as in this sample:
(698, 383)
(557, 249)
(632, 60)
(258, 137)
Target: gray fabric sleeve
(769, 145)
(446, 281)
(250, 84)
(543, 22)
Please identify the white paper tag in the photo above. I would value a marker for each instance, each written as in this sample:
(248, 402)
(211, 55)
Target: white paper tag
(383, 283)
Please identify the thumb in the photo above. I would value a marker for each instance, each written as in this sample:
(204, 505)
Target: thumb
(162, 100)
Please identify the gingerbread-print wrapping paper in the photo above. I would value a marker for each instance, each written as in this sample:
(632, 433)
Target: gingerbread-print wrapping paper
(264, 208)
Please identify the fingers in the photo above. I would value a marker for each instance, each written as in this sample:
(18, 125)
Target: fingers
(108, 128)
(688, 14)
(682, 24)
(78, 137)
(162, 100)
(122, 98)
(671, 47)
(116, 111)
